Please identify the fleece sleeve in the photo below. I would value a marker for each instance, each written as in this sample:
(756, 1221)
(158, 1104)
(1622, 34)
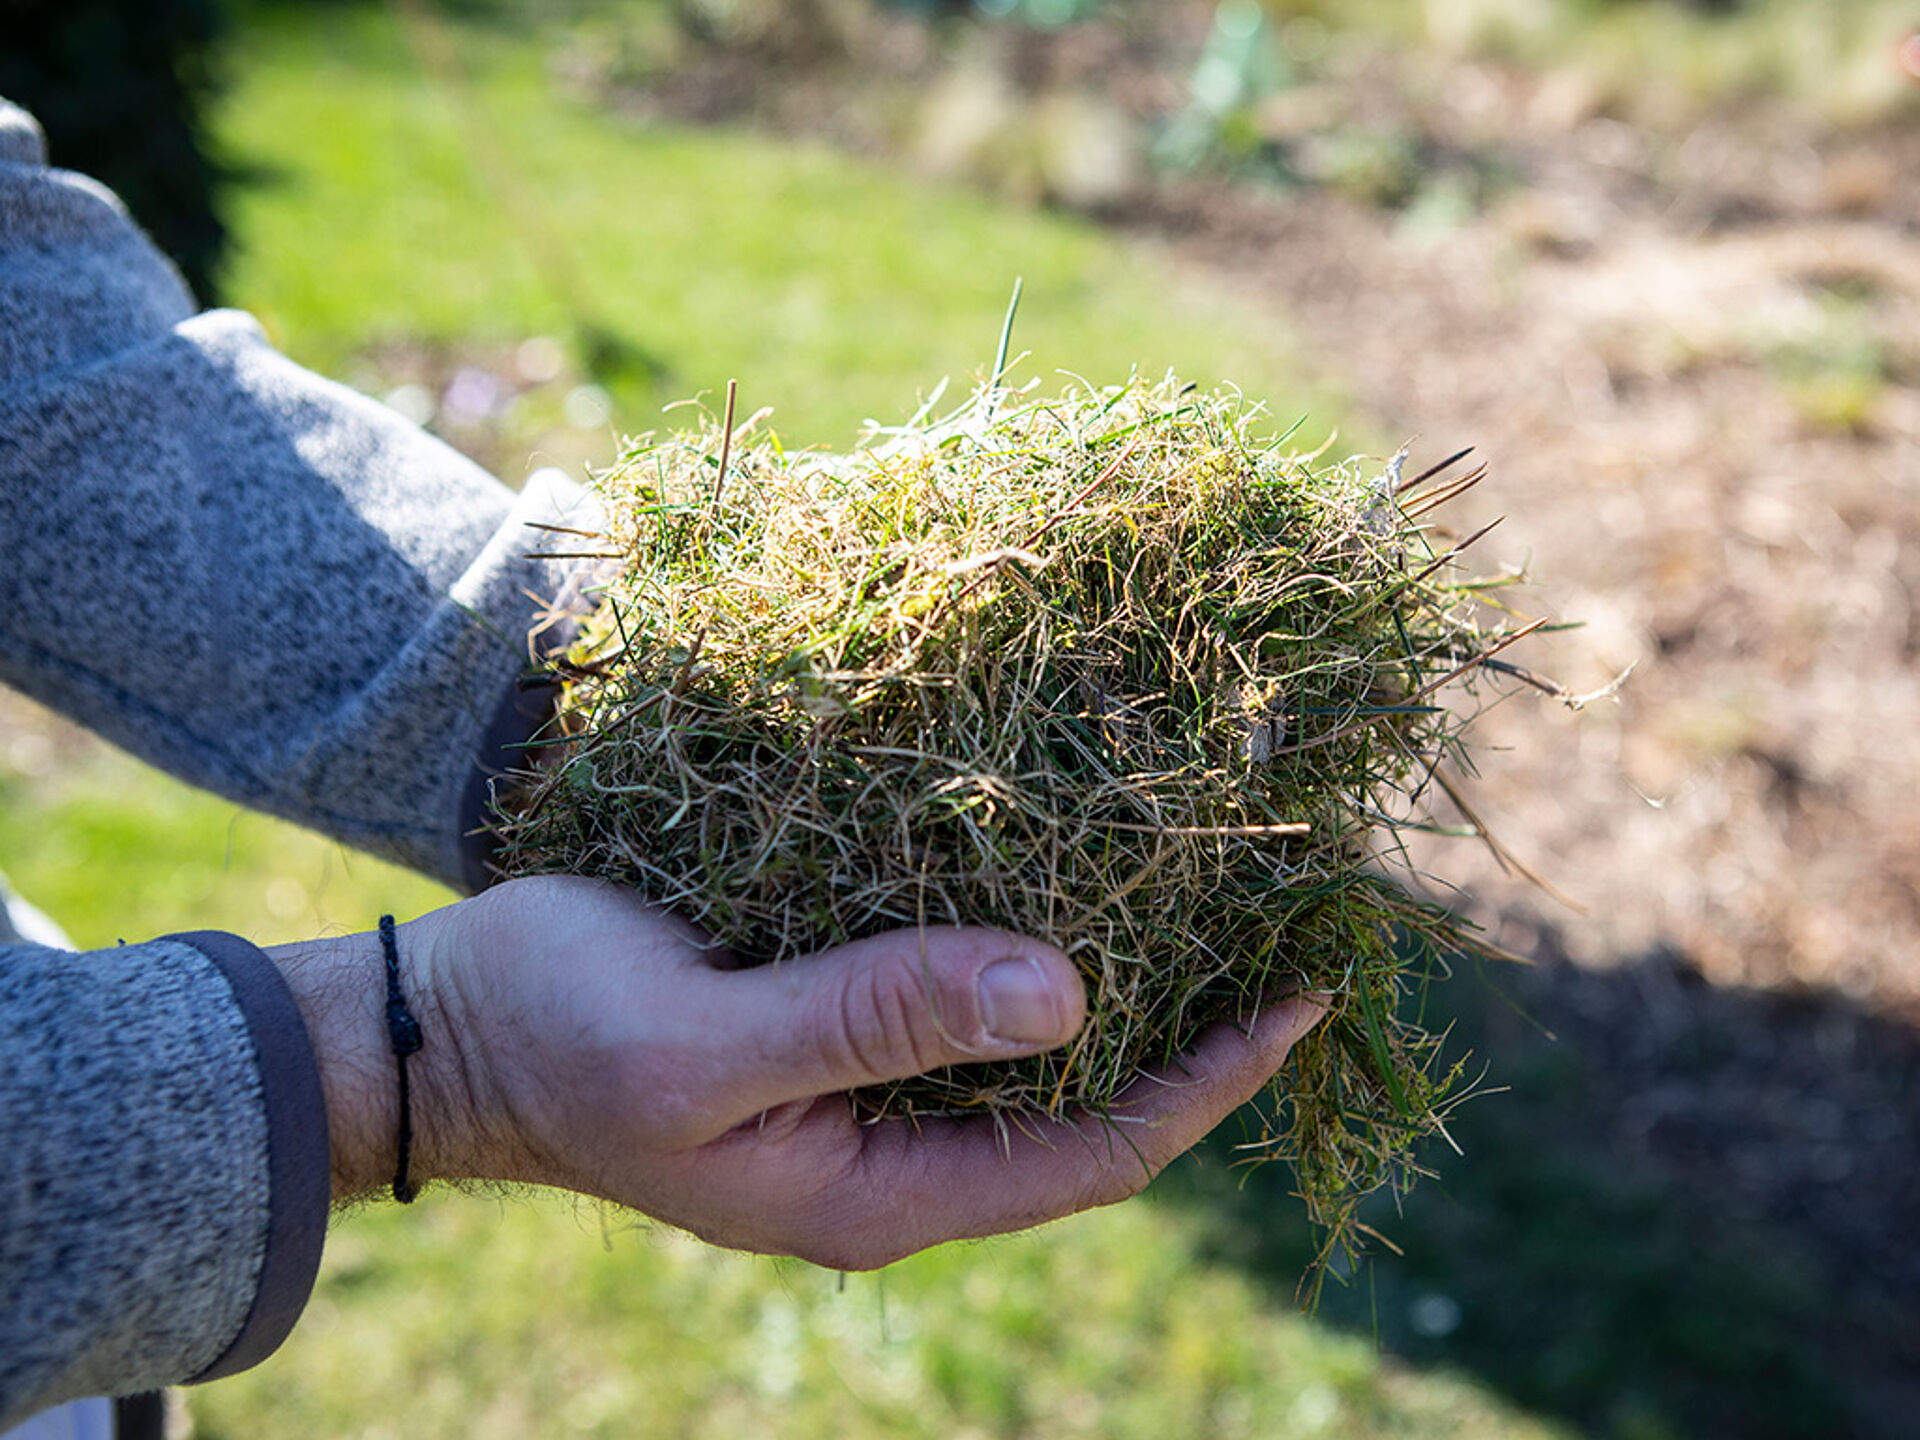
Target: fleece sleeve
(164, 1170)
(258, 580)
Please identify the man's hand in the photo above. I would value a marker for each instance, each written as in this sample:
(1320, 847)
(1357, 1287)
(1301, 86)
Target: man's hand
(576, 1037)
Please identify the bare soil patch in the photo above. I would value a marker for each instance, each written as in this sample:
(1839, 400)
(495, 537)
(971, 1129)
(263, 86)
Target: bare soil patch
(1625, 367)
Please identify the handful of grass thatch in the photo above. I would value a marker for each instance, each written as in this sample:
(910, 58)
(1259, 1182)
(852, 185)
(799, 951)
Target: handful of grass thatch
(1104, 668)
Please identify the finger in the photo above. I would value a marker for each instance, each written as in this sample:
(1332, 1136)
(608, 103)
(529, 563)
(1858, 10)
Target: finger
(916, 1186)
(1168, 1112)
(896, 1005)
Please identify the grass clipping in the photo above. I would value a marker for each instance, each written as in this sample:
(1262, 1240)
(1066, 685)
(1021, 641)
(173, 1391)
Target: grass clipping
(1104, 669)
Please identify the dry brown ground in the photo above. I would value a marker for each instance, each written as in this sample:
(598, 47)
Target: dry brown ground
(1747, 802)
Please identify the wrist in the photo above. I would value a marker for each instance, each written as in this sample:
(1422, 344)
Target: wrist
(340, 987)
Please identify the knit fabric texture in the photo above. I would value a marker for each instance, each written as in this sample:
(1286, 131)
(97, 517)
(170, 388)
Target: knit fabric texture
(132, 1208)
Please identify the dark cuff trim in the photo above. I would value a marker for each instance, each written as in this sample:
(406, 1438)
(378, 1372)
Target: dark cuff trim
(299, 1160)
(502, 748)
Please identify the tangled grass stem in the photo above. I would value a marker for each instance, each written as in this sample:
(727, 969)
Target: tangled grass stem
(1104, 667)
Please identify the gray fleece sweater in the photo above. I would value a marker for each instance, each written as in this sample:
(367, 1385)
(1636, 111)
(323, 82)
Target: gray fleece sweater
(276, 589)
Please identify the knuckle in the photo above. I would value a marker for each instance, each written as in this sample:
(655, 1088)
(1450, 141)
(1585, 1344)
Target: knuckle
(881, 1027)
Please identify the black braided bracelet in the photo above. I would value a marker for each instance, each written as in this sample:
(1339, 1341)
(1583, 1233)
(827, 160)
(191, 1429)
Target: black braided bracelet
(404, 1031)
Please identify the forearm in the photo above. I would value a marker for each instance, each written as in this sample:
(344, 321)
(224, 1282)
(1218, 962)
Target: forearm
(339, 984)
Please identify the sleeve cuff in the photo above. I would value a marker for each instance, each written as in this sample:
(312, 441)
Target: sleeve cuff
(520, 718)
(299, 1160)
(529, 707)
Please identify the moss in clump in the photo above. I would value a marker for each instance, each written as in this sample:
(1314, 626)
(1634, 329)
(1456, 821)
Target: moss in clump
(1104, 668)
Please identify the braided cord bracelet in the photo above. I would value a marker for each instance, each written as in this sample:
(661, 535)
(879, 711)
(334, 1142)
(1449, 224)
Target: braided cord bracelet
(404, 1032)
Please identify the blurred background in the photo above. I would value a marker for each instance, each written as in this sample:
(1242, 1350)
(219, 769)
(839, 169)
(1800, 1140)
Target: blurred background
(1659, 261)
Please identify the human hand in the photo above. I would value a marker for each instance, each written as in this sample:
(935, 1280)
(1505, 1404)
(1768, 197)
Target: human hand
(577, 1037)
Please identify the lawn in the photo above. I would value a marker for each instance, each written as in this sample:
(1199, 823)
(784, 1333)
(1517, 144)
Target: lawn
(404, 204)
(401, 227)
(474, 1317)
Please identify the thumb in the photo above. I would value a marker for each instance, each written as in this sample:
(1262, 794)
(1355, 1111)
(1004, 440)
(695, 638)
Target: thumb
(897, 1005)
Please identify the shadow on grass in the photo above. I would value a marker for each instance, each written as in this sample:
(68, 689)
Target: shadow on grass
(1690, 1211)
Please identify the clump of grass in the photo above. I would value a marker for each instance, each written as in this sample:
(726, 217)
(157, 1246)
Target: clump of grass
(1106, 668)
